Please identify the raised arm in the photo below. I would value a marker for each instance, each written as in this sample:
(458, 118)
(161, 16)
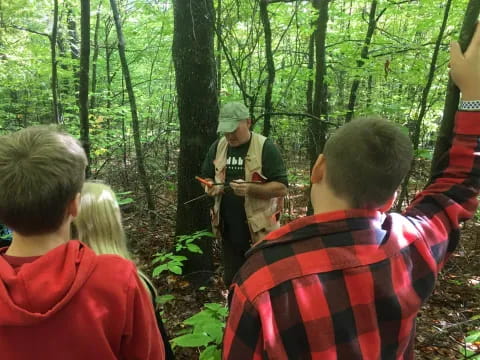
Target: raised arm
(451, 197)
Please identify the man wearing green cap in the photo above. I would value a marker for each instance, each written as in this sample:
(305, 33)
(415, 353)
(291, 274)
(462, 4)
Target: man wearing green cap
(248, 206)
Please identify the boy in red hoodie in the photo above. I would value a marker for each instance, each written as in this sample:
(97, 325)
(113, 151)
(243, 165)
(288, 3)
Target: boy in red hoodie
(348, 282)
(58, 300)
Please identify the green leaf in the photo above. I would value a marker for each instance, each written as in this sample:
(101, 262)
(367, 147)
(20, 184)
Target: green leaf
(200, 318)
(210, 353)
(214, 306)
(175, 269)
(160, 257)
(178, 258)
(159, 269)
(125, 201)
(215, 332)
(163, 299)
(194, 248)
(219, 309)
(192, 340)
(473, 336)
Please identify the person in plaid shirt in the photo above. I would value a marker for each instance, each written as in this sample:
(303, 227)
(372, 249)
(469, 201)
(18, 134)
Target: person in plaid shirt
(349, 281)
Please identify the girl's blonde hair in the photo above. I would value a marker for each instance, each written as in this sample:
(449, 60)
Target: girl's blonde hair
(99, 224)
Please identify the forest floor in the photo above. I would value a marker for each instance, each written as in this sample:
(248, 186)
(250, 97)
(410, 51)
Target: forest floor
(442, 324)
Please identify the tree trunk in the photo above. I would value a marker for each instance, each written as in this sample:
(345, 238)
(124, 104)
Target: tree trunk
(108, 54)
(218, 28)
(317, 129)
(53, 52)
(83, 80)
(194, 61)
(369, 91)
(133, 108)
(74, 47)
(72, 34)
(311, 61)
(431, 76)
(372, 24)
(423, 103)
(96, 50)
(445, 132)
(270, 66)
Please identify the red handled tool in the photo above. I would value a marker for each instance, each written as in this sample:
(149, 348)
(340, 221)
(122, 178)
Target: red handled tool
(206, 182)
(257, 179)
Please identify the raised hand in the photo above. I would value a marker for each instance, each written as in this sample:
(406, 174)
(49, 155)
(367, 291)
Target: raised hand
(465, 67)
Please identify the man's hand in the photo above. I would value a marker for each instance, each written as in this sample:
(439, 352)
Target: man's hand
(213, 190)
(465, 68)
(239, 187)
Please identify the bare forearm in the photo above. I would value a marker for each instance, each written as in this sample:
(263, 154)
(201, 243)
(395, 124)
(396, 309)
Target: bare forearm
(267, 191)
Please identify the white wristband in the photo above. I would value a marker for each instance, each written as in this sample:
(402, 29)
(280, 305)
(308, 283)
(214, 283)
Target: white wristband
(469, 105)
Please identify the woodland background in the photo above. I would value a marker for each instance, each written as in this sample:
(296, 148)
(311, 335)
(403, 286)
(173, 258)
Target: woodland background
(140, 83)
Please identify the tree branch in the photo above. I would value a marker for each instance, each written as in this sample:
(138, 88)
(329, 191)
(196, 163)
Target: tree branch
(29, 30)
(294, 114)
(280, 1)
(401, 2)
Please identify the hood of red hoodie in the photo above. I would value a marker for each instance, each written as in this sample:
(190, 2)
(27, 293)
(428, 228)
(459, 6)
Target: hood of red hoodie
(43, 287)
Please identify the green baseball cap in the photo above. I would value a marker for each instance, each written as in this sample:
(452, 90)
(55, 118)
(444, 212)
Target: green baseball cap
(230, 115)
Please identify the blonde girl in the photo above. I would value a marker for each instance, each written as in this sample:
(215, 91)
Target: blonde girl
(99, 225)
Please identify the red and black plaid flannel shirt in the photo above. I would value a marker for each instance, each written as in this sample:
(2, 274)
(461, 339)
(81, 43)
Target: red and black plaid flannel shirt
(349, 284)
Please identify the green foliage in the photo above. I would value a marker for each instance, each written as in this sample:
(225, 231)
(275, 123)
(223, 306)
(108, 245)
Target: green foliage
(122, 200)
(424, 154)
(172, 261)
(163, 299)
(186, 241)
(205, 331)
(5, 236)
(405, 36)
(471, 342)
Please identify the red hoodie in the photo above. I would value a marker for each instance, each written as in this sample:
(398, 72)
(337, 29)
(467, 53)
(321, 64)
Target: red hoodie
(73, 304)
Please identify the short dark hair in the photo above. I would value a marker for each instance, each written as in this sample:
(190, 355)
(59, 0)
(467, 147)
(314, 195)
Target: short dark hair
(41, 171)
(366, 160)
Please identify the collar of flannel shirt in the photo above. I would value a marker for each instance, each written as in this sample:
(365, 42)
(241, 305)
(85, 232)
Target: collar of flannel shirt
(326, 225)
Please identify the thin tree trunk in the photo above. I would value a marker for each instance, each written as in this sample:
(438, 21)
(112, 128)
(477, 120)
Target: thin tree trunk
(270, 66)
(83, 80)
(194, 60)
(444, 139)
(72, 35)
(423, 103)
(96, 50)
(53, 51)
(133, 108)
(74, 46)
(124, 148)
(108, 54)
(372, 24)
(369, 91)
(317, 129)
(311, 60)
(430, 78)
(218, 26)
